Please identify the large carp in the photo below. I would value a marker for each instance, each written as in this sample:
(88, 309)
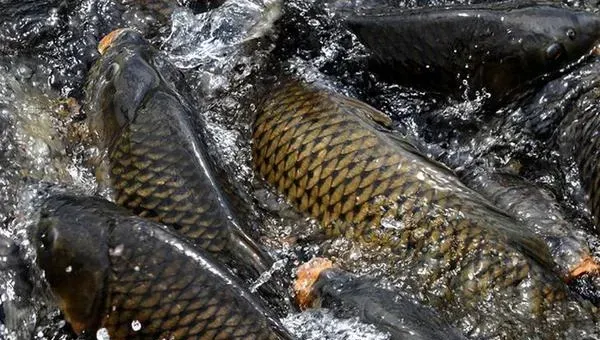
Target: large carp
(156, 158)
(137, 279)
(439, 238)
(499, 47)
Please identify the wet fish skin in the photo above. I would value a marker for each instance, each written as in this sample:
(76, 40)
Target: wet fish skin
(537, 209)
(578, 138)
(164, 8)
(386, 309)
(321, 151)
(109, 269)
(157, 164)
(26, 25)
(499, 47)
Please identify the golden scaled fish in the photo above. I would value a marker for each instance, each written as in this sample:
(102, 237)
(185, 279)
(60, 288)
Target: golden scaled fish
(156, 158)
(326, 155)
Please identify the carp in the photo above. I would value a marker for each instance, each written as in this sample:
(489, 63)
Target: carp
(501, 48)
(539, 211)
(139, 280)
(321, 285)
(452, 247)
(157, 164)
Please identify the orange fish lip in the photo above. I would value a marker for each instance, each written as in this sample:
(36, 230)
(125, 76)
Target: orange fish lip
(587, 265)
(307, 275)
(108, 39)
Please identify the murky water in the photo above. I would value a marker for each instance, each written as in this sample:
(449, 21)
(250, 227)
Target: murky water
(47, 48)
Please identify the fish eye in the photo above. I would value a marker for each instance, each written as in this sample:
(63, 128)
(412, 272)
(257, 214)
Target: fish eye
(111, 72)
(571, 34)
(555, 52)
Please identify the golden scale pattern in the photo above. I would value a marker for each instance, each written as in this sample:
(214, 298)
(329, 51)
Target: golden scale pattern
(154, 174)
(172, 296)
(318, 150)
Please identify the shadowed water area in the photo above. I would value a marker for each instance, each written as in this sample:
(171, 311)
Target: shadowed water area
(514, 163)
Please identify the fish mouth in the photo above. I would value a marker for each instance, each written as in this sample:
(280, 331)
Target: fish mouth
(106, 42)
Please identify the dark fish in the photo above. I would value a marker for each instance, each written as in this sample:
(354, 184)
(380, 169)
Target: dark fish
(499, 47)
(15, 274)
(542, 113)
(579, 138)
(137, 279)
(324, 153)
(158, 167)
(164, 8)
(351, 296)
(540, 212)
(199, 6)
(27, 24)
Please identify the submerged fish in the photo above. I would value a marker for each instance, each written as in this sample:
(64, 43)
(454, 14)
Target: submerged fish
(324, 153)
(158, 165)
(579, 138)
(137, 279)
(498, 47)
(349, 295)
(537, 210)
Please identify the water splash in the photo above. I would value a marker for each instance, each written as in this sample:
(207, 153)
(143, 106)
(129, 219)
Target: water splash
(266, 276)
(321, 324)
(214, 38)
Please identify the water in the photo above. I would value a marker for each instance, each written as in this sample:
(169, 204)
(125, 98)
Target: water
(221, 53)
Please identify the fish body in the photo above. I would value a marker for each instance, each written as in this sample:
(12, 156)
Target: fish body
(463, 49)
(158, 165)
(318, 284)
(137, 279)
(538, 210)
(386, 309)
(578, 138)
(330, 160)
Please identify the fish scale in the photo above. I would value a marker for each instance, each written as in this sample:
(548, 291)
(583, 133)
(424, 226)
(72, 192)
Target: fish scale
(436, 218)
(166, 200)
(142, 273)
(155, 151)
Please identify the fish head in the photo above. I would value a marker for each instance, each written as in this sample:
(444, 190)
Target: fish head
(72, 251)
(120, 82)
(562, 36)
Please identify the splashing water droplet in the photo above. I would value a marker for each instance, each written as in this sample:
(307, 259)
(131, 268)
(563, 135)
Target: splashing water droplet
(116, 251)
(102, 334)
(266, 276)
(69, 269)
(136, 325)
